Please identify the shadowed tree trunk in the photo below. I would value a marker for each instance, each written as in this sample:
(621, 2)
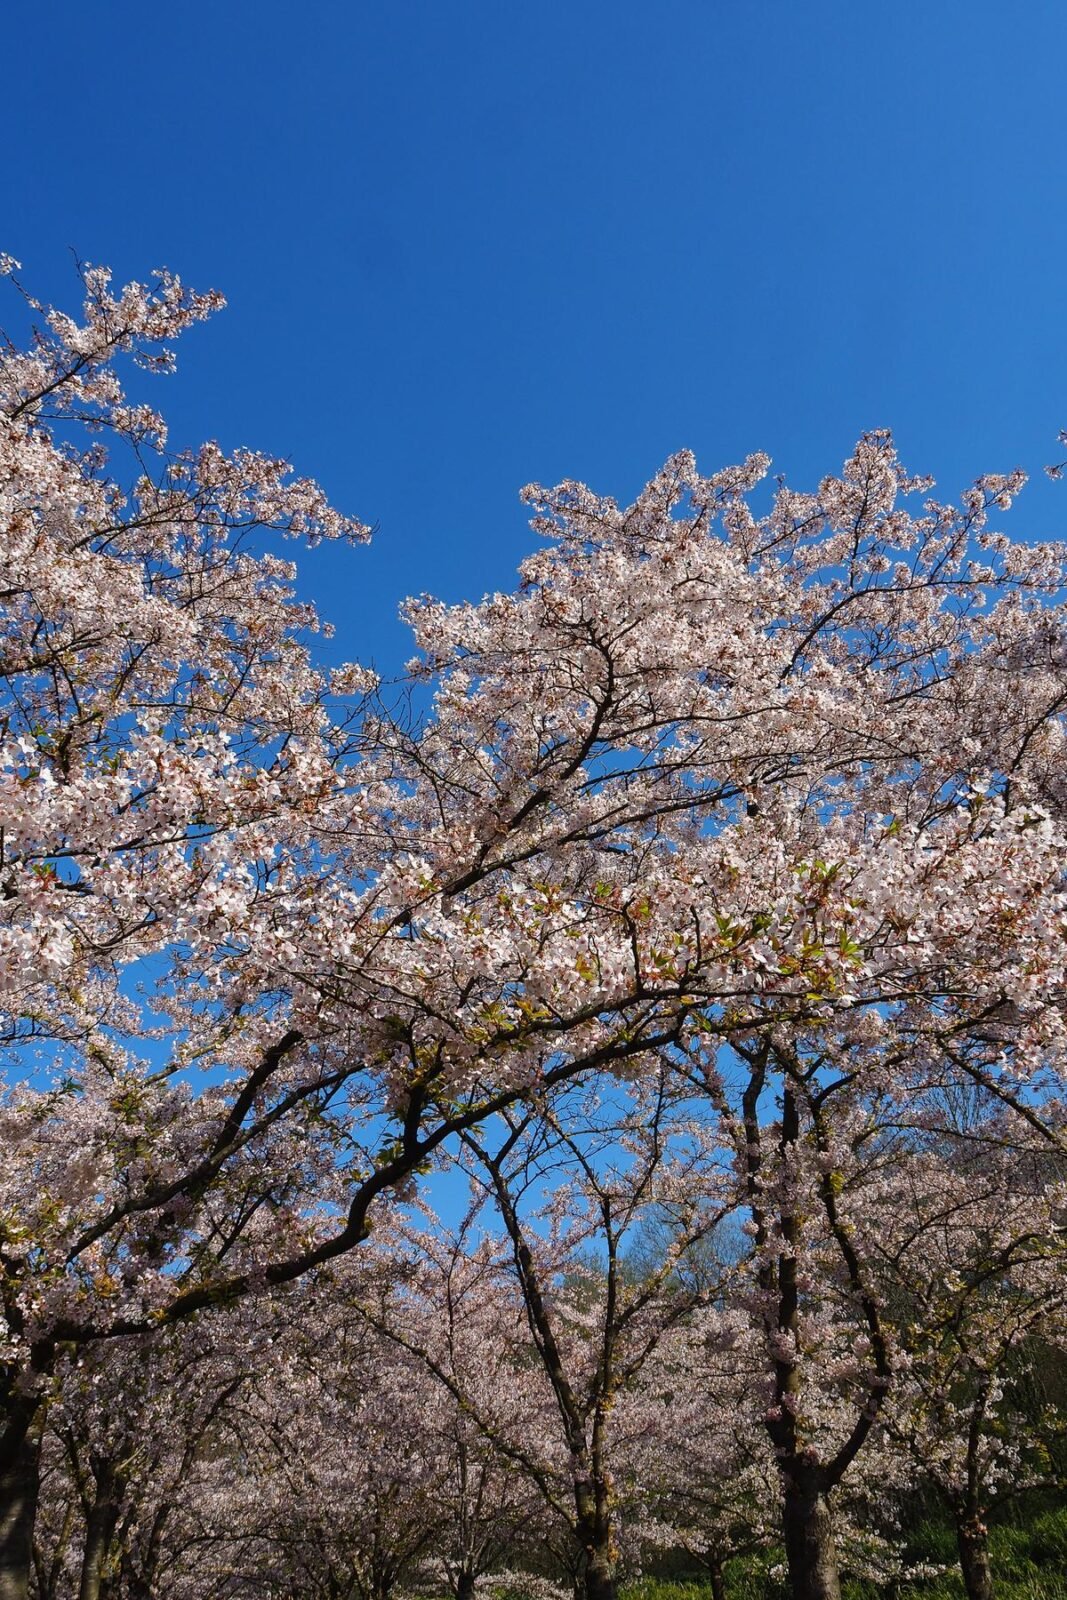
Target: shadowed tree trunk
(599, 1580)
(594, 1527)
(807, 1525)
(972, 1541)
(19, 1487)
(100, 1523)
(972, 1535)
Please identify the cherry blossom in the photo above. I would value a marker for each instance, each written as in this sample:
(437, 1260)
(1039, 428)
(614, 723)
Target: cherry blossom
(753, 792)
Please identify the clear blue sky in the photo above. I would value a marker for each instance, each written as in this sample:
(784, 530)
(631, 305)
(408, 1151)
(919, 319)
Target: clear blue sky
(470, 244)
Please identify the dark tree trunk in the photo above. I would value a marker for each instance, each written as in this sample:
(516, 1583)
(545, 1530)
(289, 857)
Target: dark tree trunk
(100, 1524)
(97, 1539)
(718, 1581)
(594, 1530)
(19, 1487)
(808, 1529)
(972, 1541)
(465, 1586)
(599, 1580)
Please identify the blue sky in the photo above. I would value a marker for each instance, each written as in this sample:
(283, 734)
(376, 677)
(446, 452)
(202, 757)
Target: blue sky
(467, 245)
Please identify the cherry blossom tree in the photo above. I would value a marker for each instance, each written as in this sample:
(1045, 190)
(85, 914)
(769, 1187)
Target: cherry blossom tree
(348, 1468)
(155, 700)
(124, 1437)
(491, 1514)
(704, 1468)
(974, 1241)
(338, 1489)
(695, 1448)
(767, 787)
(809, 763)
(184, 805)
(450, 1304)
(571, 1180)
(449, 1301)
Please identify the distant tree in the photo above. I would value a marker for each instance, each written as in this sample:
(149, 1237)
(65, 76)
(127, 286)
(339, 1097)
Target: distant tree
(703, 1472)
(332, 1484)
(447, 1301)
(974, 1239)
(572, 1179)
(126, 1435)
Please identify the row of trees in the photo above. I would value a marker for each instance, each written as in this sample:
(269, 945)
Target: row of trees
(520, 1401)
(722, 880)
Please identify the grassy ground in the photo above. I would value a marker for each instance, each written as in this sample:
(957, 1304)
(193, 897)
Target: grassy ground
(1029, 1563)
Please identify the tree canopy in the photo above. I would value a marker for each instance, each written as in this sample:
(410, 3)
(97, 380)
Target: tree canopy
(719, 881)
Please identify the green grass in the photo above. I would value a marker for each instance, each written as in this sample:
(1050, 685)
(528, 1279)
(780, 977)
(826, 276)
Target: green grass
(1029, 1561)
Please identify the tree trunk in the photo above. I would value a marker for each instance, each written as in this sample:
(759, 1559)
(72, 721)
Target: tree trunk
(972, 1540)
(99, 1532)
(808, 1528)
(718, 1581)
(594, 1532)
(97, 1538)
(19, 1486)
(465, 1586)
(599, 1582)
